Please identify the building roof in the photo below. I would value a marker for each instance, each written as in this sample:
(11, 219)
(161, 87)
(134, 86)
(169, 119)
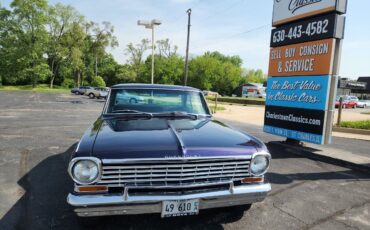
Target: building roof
(154, 86)
(366, 80)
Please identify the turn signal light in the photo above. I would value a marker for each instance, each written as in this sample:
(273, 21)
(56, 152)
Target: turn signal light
(95, 188)
(252, 180)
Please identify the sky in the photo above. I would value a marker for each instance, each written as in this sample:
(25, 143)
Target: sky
(232, 27)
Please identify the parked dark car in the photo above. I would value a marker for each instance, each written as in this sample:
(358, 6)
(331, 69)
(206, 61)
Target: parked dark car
(164, 155)
(80, 90)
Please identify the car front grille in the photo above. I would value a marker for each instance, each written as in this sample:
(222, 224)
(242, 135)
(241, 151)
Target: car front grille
(174, 172)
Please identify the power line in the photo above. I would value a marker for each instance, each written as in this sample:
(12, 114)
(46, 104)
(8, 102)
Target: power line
(218, 13)
(231, 36)
(178, 18)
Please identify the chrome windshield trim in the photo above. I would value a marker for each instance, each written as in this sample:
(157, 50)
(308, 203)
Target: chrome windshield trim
(154, 88)
(200, 115)
(173, 159)
(106, 105)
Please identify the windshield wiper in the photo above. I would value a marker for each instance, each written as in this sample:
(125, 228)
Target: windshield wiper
(128, 113)
(179, 114)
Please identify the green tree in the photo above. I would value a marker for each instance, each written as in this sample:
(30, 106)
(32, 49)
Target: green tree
(75, 41)
(254, 76)
(135, 55)
(125, 74)
(98, 81)
(235, 60)
(216, 72)
(108, 69)
(30, 17)
(9, 53)
(165, 48)
(99, 38)
(60, 21)
(167, 70)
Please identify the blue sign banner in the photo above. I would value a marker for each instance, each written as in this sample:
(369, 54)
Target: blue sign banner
(297, 135)
(307, 92)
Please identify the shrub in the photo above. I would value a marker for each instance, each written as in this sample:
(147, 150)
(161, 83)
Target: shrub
(98, 82)
(68, 83)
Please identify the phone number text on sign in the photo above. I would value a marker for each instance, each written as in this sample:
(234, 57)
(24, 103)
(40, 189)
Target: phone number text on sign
(308, 58)
(322, 27)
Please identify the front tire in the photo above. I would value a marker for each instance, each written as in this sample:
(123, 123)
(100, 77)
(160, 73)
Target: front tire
(91, 96)
(77, 93)
(354, 106)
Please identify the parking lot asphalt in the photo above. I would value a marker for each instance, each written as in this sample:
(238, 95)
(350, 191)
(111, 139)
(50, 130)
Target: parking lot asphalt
(38, 132)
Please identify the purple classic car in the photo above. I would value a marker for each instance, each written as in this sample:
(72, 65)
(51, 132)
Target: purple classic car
(165, 154)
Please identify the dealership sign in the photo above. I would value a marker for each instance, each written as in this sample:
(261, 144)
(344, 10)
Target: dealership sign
(309, 92)
(290, 10)
(303, 68)
(317, 28)
(308, 58)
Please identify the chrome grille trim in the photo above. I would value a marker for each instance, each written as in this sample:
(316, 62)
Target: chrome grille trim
(173, 165)
(174, 172)
(174, 159)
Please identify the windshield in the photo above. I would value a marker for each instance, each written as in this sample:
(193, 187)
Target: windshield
(156, 101)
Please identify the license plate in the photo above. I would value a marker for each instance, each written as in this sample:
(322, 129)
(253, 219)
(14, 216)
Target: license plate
(180, 207)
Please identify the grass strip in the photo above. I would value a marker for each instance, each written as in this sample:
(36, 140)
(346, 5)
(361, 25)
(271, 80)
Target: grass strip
(356, 124)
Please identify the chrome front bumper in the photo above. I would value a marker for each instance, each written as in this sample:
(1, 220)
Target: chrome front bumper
(102, 205)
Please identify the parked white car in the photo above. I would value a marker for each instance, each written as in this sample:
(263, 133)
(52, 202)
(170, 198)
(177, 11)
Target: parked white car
(125, 97)
(98, 92)
(363, 103)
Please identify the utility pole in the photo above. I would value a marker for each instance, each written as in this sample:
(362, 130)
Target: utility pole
(187, 49)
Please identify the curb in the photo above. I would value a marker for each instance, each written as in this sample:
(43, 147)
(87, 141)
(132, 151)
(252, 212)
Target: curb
(351, 130)
(327, 159)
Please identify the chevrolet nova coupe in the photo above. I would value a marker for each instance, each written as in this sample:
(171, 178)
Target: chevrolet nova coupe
(164, 155)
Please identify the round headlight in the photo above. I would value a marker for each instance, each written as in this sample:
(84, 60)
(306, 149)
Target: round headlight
(259, 164)
(85, 171)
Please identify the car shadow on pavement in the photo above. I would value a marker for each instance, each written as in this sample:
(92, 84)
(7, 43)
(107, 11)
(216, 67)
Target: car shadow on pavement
(287, 178)
(44, 206)
(280, 153)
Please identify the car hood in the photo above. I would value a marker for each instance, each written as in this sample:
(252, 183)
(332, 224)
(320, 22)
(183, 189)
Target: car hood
(162, 138)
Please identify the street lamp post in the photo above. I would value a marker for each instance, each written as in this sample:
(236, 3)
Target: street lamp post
(150, 25)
